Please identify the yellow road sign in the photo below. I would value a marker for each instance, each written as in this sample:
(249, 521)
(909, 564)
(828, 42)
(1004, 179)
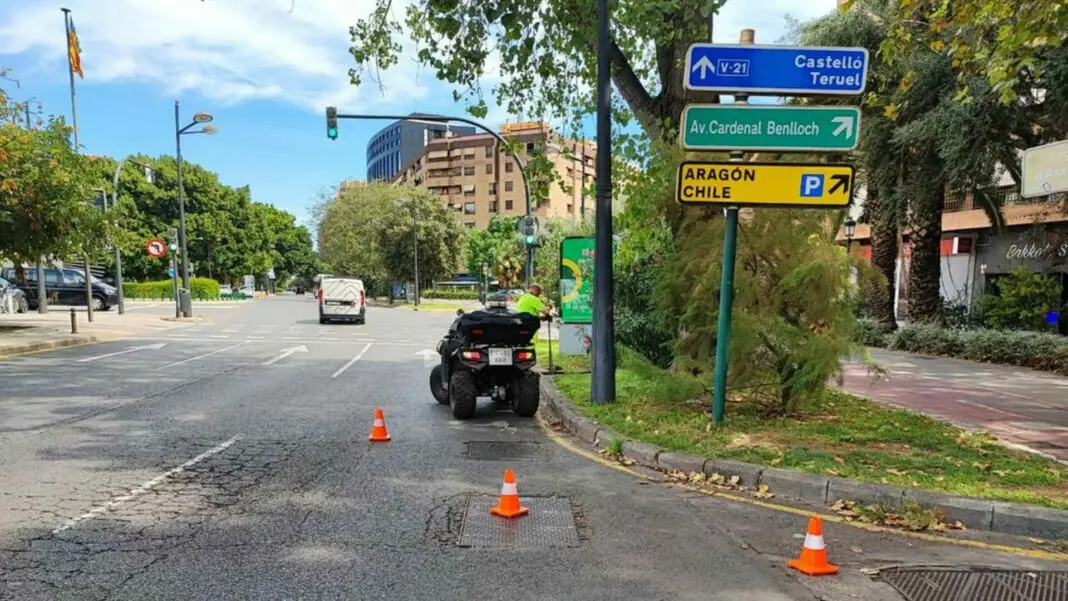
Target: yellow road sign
(765, 184)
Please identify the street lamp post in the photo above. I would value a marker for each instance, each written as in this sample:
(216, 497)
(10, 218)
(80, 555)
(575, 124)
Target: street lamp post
(415, 248)
(850, 229)
(198, 119)
(149, 175)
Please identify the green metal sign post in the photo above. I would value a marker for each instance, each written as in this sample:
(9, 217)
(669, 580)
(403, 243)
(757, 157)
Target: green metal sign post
(576, 280)
(771, 128)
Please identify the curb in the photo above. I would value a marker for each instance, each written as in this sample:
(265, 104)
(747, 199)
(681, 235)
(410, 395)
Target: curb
(45, 345)
(976, 513)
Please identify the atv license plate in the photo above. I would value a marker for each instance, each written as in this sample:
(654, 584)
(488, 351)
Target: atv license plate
(500, 356)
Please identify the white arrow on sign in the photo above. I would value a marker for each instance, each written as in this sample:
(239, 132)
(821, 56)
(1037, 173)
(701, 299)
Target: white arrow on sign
(287, 352)
(143, 347)
(844, 124)
(705, 66)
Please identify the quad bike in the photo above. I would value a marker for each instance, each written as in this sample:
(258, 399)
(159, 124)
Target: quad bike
(488, 353)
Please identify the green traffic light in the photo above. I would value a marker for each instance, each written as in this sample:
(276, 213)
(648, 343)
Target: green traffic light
(530, 240)
(331, 132)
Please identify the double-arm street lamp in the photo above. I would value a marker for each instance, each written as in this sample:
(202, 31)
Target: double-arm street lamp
(150, 176)
(179, 131)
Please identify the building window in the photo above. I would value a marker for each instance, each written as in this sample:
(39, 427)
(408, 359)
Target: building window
(507, 205)
(507, 186)
(469, 190)
(489, 168)
(493, 188)
(469, 170)
(508, 167)
(530, 148)
(489, 151)
(469, 208)
(469, 224)
(493, 206)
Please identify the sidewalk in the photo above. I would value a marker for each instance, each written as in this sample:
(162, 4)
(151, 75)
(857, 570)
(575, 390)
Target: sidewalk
(28, 332)
(1019, 406)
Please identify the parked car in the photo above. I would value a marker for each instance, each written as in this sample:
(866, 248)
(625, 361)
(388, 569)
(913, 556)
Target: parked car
(65, 286)
(19, 301)
(248, 291)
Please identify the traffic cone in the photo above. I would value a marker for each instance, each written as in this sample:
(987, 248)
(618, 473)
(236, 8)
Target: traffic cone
(813, 560)
(508, 506)
(379, 433)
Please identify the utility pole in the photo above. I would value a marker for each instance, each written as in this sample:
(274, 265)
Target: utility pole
(603, 378)
(415, 249)
(181, 212)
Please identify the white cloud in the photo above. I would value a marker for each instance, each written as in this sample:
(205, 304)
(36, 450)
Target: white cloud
(227, 50)
(238, 50)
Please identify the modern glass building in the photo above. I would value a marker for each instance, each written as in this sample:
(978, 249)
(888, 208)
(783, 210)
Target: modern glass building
(398, 143)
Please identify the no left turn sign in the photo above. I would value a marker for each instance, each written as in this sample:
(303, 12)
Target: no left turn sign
(157, 249)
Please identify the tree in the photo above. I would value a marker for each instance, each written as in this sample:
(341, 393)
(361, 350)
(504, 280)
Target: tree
(366, 230)
(1008, 43)
(500, 238)
(46, 191)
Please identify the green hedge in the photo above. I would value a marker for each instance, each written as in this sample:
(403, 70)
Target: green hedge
(199, 288)
(1045, 352)
(450, 293)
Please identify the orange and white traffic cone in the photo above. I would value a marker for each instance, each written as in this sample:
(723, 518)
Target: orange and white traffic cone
(379, 433)
(508, 506)
(813, 559)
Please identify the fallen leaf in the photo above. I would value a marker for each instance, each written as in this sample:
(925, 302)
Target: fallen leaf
(1002, 473)
(708, 427)
(839, 461)
(981, 466)
(762, 492)
(1037, 541)
(776, 461)
(716, 478)
(856, 549)
(896, 472)
(798, 536)
(734, 481)
(958, 525)
(744, 546)
(832, 472)
(696, 477)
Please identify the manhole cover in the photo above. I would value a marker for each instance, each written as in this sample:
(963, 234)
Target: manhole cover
(496, 450)
(988, 585)
(550, 523)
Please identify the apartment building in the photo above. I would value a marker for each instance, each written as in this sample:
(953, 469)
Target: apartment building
(478, 179)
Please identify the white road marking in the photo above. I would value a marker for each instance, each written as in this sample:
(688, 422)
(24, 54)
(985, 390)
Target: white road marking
(255, 337)
(287, 352)
(295, 339)
(351, 361)
(328, 338)
(147, 486)
(219, 336)
(215, 352)
(144, 347)
(177, 335)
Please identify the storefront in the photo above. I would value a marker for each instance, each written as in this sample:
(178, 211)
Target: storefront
(1039, 249)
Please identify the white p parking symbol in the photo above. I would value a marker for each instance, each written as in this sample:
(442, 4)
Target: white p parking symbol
(812, 184)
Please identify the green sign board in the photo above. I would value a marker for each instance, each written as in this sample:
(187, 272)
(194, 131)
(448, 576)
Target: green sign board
(773, 128)
(576, 280)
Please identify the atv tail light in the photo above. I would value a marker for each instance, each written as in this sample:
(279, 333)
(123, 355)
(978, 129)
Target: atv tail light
(477, 331)
(363, 298)
(471, 355)
(524, 355)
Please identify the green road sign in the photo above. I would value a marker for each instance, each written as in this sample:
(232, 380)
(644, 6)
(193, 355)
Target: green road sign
(779, 128)
(576, 280)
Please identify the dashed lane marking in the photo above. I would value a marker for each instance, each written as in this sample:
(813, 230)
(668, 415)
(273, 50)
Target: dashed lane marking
(215, 352)
(351, 361)
(147, 486)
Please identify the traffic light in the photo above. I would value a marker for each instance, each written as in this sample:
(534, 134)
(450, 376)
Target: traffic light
(331, 122)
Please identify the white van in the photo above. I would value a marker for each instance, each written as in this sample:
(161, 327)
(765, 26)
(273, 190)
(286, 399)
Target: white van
(342, 299)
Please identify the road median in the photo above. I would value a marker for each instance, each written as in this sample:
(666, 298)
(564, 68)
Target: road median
(839, 448)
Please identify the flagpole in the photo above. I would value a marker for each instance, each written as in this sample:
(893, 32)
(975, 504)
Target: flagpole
(70, 71)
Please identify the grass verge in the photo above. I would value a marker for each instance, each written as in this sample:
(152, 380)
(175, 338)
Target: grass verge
(837, 435)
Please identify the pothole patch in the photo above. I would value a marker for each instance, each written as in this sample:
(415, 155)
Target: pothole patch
(501, 450)
(551, 523)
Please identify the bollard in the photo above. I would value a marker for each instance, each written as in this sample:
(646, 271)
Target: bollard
(73, 321)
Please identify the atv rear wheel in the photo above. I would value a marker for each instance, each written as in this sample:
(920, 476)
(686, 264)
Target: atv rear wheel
(525, 404)
(463, 394)
(437, 387)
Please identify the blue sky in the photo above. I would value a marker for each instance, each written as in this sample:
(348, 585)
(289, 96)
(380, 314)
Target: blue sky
(265, 73)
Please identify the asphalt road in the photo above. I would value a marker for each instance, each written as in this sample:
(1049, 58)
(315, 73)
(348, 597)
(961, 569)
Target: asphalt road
(229, 460)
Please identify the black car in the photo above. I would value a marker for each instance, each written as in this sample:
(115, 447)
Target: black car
(64, 286)
(20, 303)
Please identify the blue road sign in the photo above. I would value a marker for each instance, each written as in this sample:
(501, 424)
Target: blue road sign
(170, 272)
(775, 70)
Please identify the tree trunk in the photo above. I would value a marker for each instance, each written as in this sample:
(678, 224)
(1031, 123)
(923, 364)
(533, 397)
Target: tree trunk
(884, 251)
(925, 272)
